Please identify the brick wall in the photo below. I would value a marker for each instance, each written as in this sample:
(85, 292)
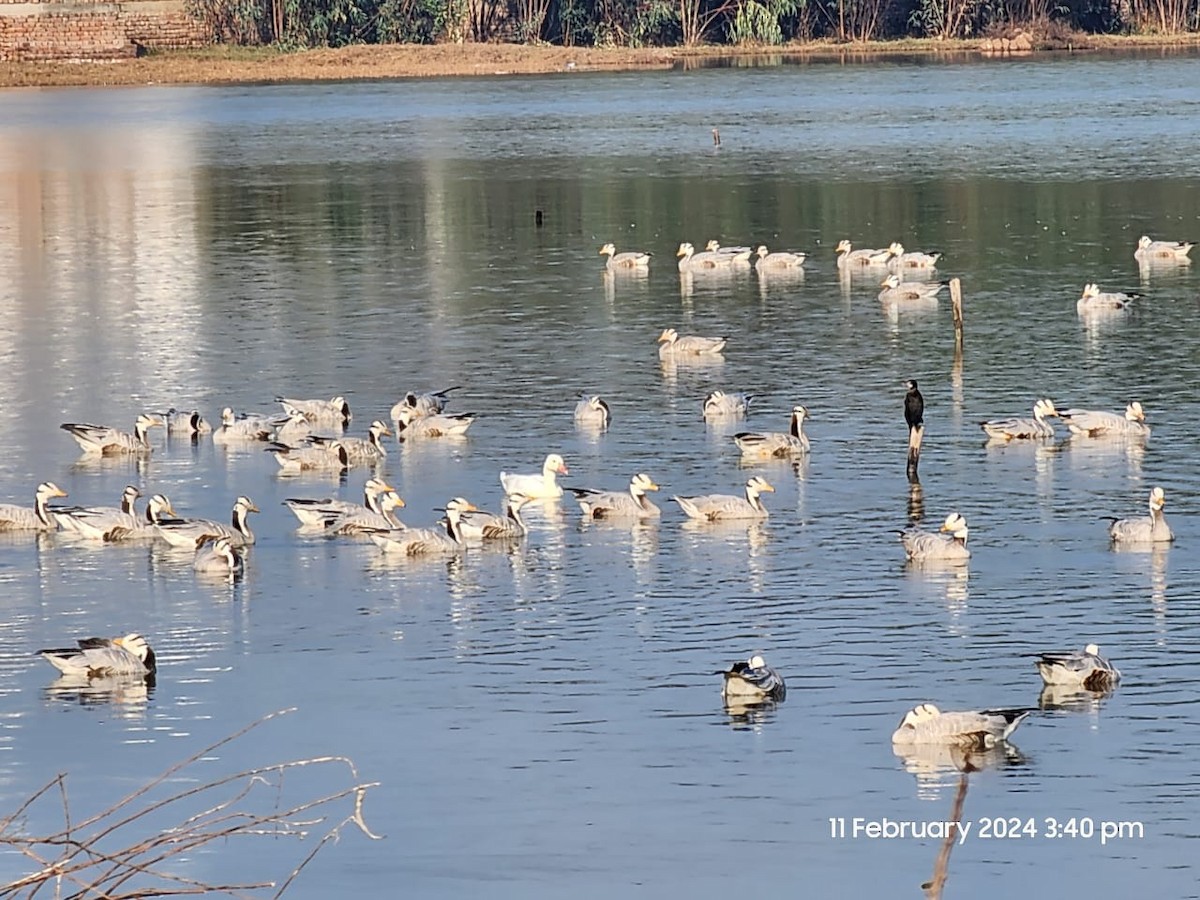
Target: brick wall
(71, 30)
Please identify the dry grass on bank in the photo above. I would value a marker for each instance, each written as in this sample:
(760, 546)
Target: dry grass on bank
(231, 65)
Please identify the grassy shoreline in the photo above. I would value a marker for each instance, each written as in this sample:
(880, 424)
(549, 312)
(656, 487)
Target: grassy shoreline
(247, 65)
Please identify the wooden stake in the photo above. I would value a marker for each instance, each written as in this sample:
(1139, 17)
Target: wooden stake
(956, 306)
(914, 450)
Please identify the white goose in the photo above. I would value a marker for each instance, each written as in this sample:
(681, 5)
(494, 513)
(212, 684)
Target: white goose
(630, 504)
(978, 729)
(101, 440)
(537, 487)
(191, 533)
(722, 507)
(900, 292)
(780, 260)
(719, 405)
(780, 445)
(409, 425)
(476, 525)
(39, 518)
(752, 680)
(445, 539)
(949, 543)
(630, 260)
(104, 657)
(592, 412)
(100, 523)
(1100, 423)
(850, 259)
(671, 343)
(316, 512)
(1019, 428)
(902, 261)
(1151, 529)
(1162, 251)
(1093, 300)
(218, 556)
(1084, 668)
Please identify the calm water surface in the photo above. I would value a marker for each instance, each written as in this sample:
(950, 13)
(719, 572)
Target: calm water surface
(544, 719)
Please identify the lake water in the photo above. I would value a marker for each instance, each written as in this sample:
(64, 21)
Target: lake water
(543, 719)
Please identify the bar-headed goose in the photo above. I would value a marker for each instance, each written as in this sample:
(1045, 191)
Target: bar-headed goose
(1094, 300)
(477, 525)
(752, 680)
(1084, 668)
(1023, 428)
(1162, 251)
(191, 533)
(901, 292)
(976, 729)
(437, 425)
(101, 440)
(767, 444)
(629, 260)
(219, 556)
(592, 412)
(948, 543)
(104, 657)
(315, 512)
(780, 260)
(722, 507)
(630, 504)
(319, 412)
(720, 405)
(850, 259)
(900, 260)
(445, 539)
(1151, 529)
(1100, 423)
(38, 518)
(671, 343)
(100, 523)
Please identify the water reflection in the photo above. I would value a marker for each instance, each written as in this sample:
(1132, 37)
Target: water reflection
(1071, 698)
(939, 766)
(127, 696)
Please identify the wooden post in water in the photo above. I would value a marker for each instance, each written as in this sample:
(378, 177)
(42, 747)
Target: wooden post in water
(914, 451)
(956, 306)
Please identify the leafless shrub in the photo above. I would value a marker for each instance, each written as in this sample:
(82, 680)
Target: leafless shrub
(123, 852)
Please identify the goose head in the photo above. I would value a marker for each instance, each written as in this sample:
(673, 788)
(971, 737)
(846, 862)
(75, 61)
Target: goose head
(758, 485)
(389, 500)
(378, 429)
(1144, 242)
(227, 417)
(1090, 291)
(713, 246)
(800, 412)
(1134, 412)
(158, 507)
(955, 525)
(129, 496)
(761, 251)
(554, 464)
(923, 712)
(47, 490)
(1043, 408)
(756, 662)
(685, 250)
(640, 483)
(895, 248)
(1092, 649)
(136, 645)
(669, 336)
(608, 249)
(1158, 499)
(843, 246)
(245, 505)
(892, 281)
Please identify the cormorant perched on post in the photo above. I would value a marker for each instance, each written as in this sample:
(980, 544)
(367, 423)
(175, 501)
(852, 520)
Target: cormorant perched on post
(914, 406)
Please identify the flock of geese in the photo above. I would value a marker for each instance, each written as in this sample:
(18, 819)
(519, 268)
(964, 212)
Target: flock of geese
(909, 279)
(308, 435)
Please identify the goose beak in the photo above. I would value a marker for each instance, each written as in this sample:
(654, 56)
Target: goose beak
(563, 470)
(652, 486)
(59, 493)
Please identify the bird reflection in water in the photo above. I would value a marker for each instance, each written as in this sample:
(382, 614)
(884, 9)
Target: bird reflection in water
(1072, 698)
(127, 695)
(749, 715)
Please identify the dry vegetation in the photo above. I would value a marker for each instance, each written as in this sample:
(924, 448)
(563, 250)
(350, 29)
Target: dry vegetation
(224, 64)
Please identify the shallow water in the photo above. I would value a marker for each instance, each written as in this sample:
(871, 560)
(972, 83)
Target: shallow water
(545, 717)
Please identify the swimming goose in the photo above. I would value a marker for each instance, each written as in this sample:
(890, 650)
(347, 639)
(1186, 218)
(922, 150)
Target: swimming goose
(100, 440)
(366, 520)
(427, 541)
(721, 405)
(367, 450)
(1092, 300)
(1098, 423)
(477, 525)
(537, 487)
(780, 259)
(592, 411)
(1175, 251)
(99, 523)
(729, 255)
(691, 261)
(158, 511)
(777, 444)
(316, 512)
(859, 259)
(191, 533)
(421, 404)
(926, 724)
(1151, 529)
(910, 261)
(294, 430)
(752, 680)
(103, 657)
(897, 291)
(39, 518)
(949, 543)
(1020, 428)
(721, 507)
(185, 422)
(631, 504)
(218, 556)
(409, 425)
(671, 343)
(319, 412)
(331, 457)
(246, 428)
(1084, 668)
(634, 259)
